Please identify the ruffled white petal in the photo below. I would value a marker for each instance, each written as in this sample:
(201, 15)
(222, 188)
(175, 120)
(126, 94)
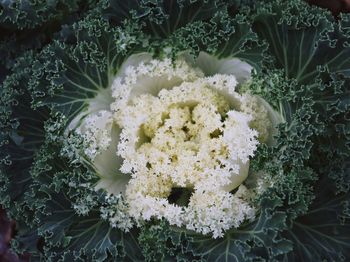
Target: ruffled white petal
(212, 65)
(100, 102)
(101, 137)
(149, 78)
(107, 165)
(133, 61)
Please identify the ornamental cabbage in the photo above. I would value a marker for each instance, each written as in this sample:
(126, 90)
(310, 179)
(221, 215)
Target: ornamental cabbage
(175, 130)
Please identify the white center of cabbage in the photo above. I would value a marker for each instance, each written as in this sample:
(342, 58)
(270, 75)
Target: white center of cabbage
(173, 125)
(186, 137)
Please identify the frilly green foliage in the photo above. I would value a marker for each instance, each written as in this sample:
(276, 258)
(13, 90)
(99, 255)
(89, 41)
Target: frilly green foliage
(300, 58)
(21, 14)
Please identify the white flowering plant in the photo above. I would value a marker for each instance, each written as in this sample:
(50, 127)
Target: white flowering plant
(181, 130)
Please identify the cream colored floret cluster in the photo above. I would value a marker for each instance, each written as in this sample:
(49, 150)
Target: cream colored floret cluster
(191, 132)
(96, 132)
